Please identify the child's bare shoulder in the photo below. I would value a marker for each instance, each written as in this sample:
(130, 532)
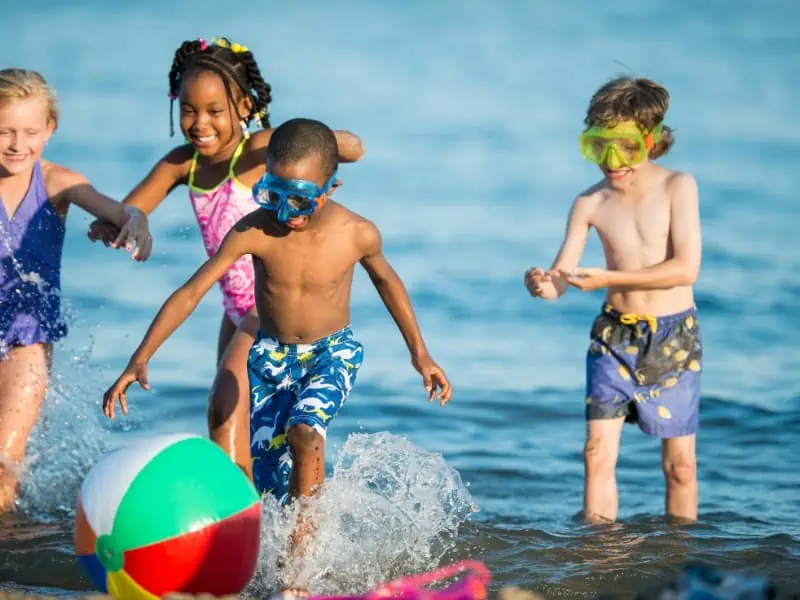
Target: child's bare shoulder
(340, 215)
(257, 223)
(679, 182)
(359, 229)
(59, 179)
(259, 140)
(589, 199)
(178, 160)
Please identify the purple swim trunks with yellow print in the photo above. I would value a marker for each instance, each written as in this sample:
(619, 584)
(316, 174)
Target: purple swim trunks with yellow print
(646, 369)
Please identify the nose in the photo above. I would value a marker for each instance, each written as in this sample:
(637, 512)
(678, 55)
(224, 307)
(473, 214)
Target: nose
(613, 159)
(199, 123)
(16, 141)
(284, 213)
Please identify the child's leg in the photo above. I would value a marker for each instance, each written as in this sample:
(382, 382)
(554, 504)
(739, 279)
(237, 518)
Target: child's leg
(320, 397)
(306, 478)
(600, 501)
(228, 407)
(227, 329)
(24, 376)
(680, 472)
(308, 472)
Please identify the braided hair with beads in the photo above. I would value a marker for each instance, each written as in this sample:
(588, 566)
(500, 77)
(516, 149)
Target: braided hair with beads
(234, 64)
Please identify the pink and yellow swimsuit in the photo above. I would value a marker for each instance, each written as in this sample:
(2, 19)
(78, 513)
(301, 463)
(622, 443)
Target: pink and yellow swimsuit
(217, 211)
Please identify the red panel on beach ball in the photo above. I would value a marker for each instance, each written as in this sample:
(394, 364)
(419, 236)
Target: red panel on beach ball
(219, 559)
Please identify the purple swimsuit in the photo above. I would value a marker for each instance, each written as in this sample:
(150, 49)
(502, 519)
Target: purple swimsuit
(31, 241)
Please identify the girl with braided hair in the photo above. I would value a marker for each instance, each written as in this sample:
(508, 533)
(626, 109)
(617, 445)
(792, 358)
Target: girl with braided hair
(220, 92)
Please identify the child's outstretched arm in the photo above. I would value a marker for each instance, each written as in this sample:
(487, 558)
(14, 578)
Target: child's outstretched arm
(350, 147)
(166, 175)
(551, 285)
(680, 269)
(74, 188)
(174, 312)
(395, 297)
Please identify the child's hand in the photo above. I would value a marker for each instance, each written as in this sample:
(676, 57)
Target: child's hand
(586, 280)
(134, 372)
(135, 232)
(103, 231)
(540, 284)
(433, 378)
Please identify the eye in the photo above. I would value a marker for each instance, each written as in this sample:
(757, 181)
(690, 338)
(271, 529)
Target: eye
(598, 145)
(629, 146)
(299, 202)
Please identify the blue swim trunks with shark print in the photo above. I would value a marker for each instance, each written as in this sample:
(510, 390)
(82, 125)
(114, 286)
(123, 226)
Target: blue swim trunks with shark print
(292, 384)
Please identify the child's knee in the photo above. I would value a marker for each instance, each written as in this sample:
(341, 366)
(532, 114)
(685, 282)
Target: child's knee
(303, 440)
(598, 455)
(680, 470)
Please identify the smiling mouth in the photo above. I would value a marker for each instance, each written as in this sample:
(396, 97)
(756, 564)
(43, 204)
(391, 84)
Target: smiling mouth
(616, 173)
(295, 222)
(204, 139)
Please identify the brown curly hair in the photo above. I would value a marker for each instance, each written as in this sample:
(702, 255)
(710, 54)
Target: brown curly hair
(632, 99)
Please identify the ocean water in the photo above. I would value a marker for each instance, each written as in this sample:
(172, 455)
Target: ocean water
(469, 112)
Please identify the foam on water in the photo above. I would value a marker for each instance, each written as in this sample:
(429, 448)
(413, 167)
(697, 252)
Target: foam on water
(389, 509)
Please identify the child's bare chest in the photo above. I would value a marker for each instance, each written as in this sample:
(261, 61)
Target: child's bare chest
(311, 266)
(635, 227)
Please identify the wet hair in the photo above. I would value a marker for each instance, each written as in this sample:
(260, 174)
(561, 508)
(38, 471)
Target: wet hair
(632, 99)
(235, 65)
(297, 139)
(19, 84)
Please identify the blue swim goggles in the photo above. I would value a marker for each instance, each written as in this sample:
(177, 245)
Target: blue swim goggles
(290, 198)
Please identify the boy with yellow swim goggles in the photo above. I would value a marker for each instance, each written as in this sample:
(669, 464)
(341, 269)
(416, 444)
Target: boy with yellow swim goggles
(622, 145)
(645, 357)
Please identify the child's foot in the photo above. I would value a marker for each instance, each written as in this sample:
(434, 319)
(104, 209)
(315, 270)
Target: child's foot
(295, 592)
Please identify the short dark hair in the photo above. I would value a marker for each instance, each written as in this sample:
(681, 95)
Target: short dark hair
(297, 139)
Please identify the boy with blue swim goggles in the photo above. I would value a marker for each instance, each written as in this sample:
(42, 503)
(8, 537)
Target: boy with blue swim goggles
(290, 198)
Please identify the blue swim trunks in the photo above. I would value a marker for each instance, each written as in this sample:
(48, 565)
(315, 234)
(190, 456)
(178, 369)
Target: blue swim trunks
(646, 369)
(292, 384)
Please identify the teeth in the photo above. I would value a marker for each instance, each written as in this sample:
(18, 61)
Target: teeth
(205, 138)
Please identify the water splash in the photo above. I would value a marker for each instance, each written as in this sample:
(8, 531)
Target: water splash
(71, 433)
(66, 439)
(389, 509)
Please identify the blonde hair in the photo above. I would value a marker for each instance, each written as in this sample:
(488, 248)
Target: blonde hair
(632, 99)
(19, 84)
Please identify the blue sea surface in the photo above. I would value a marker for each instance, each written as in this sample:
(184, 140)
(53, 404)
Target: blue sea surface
(469, 113)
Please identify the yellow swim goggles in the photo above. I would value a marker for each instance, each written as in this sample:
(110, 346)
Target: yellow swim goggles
(623, 145)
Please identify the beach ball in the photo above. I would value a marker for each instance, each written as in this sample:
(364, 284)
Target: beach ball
(168, 514)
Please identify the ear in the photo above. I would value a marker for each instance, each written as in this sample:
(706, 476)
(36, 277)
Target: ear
(245, 105)
(51, 129)
(336, 183)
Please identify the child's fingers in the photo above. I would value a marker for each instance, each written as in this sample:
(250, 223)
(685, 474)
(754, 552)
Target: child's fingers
(574, 281)
(440, 386)
(121, 238)
(142, 250)
(142, 379)
(427, 383)
(147, 248)
(108, 402)
(446, 389)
